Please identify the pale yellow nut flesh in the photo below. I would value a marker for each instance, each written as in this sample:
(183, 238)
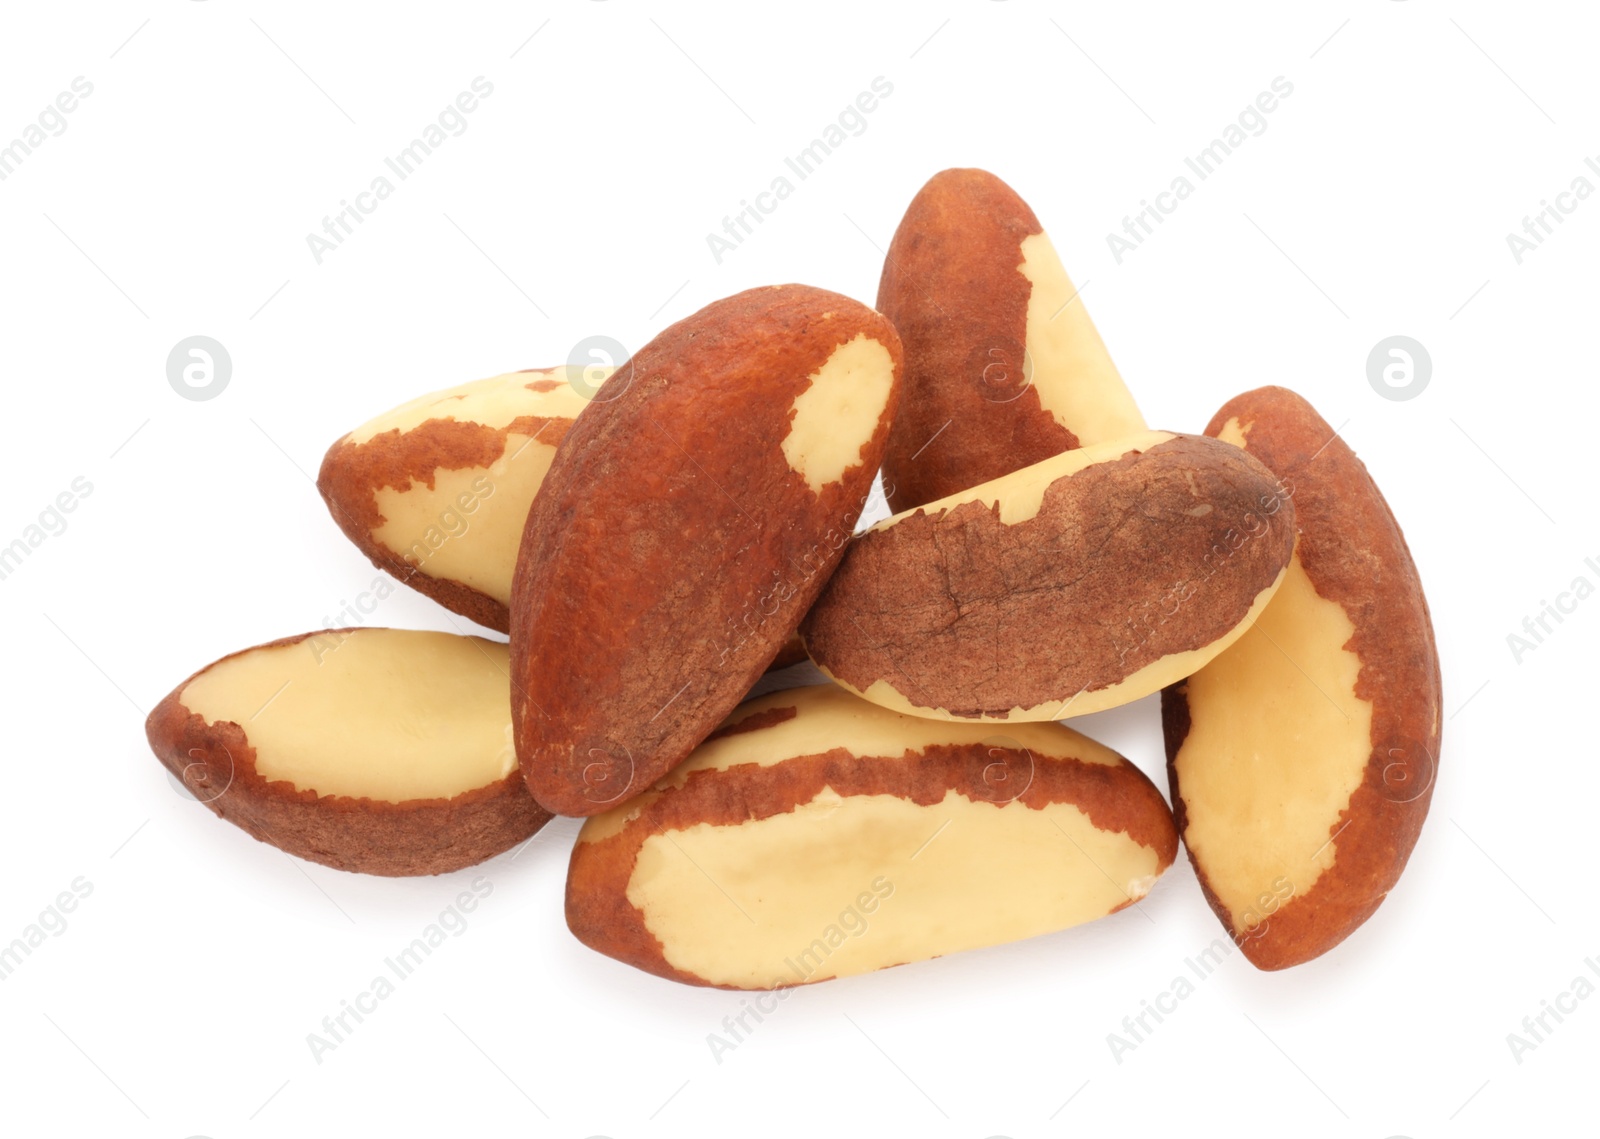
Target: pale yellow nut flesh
(1058, 871)
(1072, 371)
(1278, 742)
(838, 413)
(847, 884)
(385, 714)
(427, 525)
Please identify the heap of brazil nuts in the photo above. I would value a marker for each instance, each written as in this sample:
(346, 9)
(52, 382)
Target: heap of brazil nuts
(653, 537)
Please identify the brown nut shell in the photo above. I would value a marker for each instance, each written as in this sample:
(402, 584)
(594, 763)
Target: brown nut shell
(1086, 581)
(691, 516)
(1303, 759)
(815, 836)
(235, 761)
(436, 491)
(1004, 368)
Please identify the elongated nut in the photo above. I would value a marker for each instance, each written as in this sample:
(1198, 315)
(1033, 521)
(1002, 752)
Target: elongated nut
(815, 835)
(380, 750)
(1004, 368)
(1082, 582)
(1302, 760)
(436, 491)
(688, 521)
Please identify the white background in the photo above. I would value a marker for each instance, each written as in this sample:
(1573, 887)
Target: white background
(177, 202)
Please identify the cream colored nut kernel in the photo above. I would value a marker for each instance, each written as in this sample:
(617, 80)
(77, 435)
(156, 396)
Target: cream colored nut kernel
(436, 491)
(1252, 820)
(1302, 759)
(817, 836)
(382, 751)
(1072, 371)
(835, 416)
(386, 714)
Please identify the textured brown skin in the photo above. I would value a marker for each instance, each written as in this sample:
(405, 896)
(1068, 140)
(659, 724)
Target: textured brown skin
(1353, 551)
(1115, 797)
(216, 762)
(953, 289)
(754, 723)
(959, 611)
(352, 474)
(791, 652)
(671, 549)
